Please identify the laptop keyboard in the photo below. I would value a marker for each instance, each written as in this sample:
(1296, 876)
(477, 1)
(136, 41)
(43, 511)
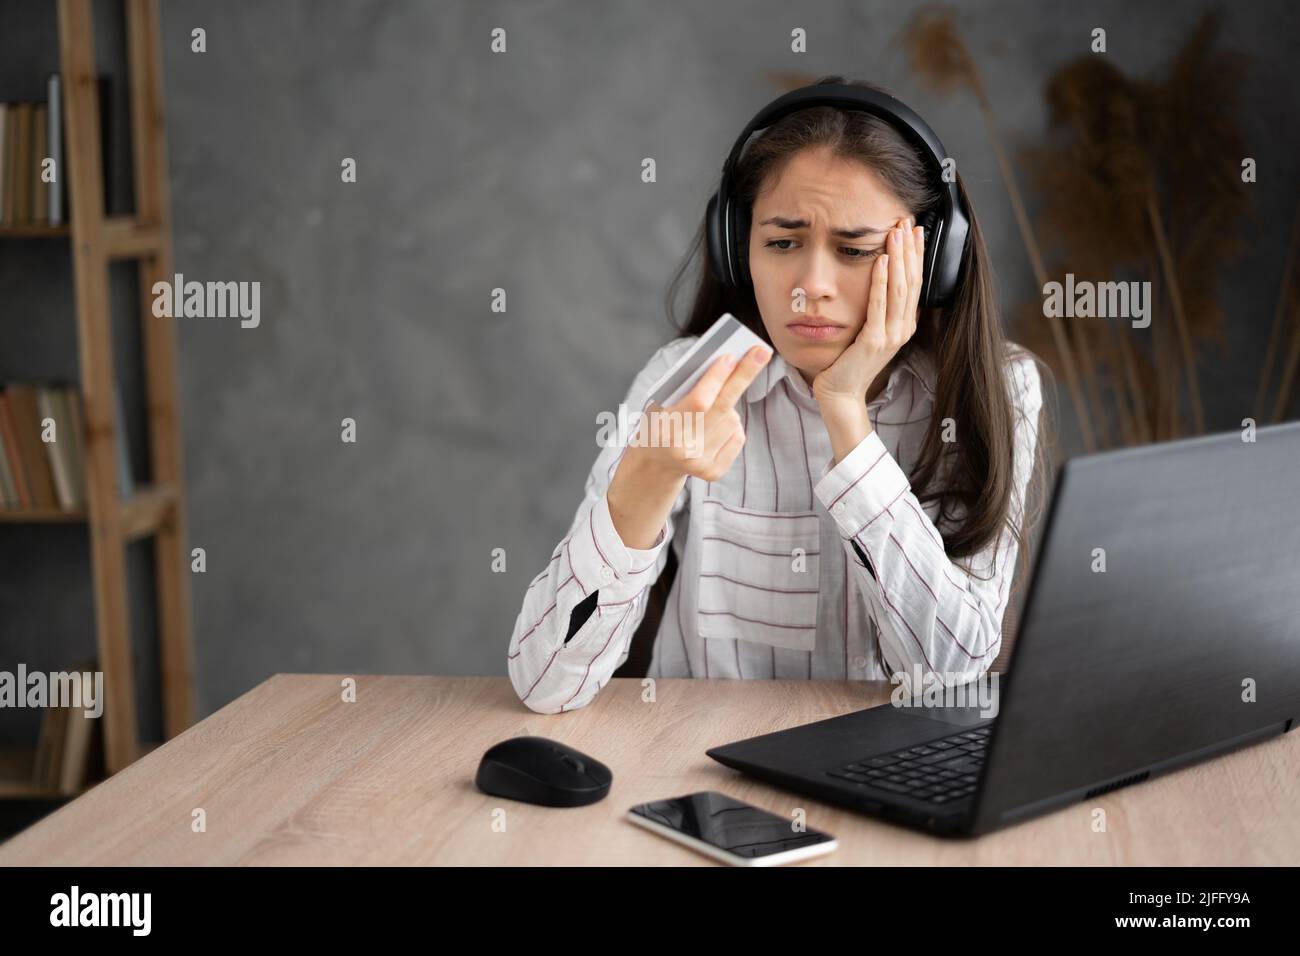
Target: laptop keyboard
(938, 772)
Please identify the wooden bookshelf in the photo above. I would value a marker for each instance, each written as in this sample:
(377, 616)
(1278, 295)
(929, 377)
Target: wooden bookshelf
(35, 231)
(156, 510)
(143, 513)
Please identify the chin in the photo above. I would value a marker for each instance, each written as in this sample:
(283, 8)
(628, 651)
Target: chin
(804, 359)
(819, 354)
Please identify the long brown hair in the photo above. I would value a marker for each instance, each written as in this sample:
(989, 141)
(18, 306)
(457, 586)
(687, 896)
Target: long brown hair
(964, 338)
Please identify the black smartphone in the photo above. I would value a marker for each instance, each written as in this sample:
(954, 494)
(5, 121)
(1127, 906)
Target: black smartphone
(731, 831)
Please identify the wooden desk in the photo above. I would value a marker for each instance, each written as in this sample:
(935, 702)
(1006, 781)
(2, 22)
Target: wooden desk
(290, 774)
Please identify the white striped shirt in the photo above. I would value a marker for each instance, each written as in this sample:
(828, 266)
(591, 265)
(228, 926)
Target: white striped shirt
(769, 584)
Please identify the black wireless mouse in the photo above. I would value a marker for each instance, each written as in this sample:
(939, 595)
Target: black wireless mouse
(537, 770)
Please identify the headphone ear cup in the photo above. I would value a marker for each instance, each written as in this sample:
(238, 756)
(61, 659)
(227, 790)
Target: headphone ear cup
(927, 221)
(742, 248)
(713, 236)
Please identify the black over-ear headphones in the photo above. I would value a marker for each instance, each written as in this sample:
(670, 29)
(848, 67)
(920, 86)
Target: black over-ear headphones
(946, 225)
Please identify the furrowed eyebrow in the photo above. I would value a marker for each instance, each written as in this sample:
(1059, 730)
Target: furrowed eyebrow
(783, 223)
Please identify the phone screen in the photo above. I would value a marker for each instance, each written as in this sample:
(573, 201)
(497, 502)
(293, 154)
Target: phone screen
(729, 825)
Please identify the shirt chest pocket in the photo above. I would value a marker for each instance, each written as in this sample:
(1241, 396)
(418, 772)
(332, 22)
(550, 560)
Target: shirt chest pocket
(759, 574)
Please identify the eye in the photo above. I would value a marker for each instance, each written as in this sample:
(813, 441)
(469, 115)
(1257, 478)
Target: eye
(852, 252)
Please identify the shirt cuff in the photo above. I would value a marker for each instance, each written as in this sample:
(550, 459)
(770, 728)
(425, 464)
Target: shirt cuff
(600, 559)
(862, 486)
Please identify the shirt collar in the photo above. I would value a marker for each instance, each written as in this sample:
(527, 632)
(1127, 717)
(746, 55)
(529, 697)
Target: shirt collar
(916, 363)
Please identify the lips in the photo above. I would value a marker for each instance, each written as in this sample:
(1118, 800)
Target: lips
(812, 327)
(815, 322)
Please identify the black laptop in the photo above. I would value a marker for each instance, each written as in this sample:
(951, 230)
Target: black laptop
(1186, 646)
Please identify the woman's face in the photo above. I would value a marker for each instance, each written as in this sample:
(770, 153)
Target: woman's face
(816, 229)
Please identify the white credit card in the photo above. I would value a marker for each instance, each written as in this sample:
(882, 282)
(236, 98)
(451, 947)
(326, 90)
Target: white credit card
(727, 336)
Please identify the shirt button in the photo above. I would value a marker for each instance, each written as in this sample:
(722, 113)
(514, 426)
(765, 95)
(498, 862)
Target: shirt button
(860, 663)
(839, 508)
(606, 574)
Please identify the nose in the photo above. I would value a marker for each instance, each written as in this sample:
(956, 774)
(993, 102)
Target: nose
(818, 276)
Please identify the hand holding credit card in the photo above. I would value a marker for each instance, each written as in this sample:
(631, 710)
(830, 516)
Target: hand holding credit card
(727, 336)
(701, 439)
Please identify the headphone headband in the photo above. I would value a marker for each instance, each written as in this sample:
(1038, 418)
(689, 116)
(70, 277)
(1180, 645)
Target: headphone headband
(945, 229)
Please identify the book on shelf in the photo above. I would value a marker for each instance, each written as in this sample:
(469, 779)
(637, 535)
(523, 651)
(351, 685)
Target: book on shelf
(54, 98)
(32, 132)
(41, 475)
(47, 767)
(62, 762)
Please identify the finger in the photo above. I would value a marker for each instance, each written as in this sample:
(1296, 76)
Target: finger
(920, 251)
(745, 373)
(896, 311)
(912, 258)
(873, 329)
(918, 280)
(705, 391)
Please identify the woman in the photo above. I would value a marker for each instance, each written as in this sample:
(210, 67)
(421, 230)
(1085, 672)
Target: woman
(855, 504)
